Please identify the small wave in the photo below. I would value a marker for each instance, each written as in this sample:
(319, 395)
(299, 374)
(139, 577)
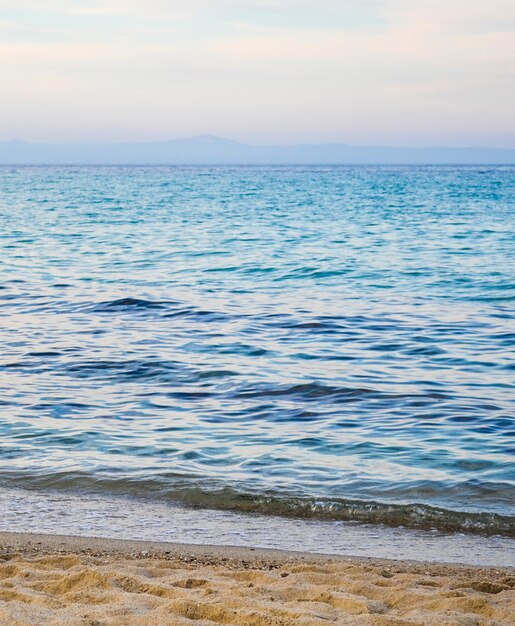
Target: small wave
(184, 490)
(200, 314)
(133, 369)
(129, 303)
(169, 309)
(317, 391)
(415, 515)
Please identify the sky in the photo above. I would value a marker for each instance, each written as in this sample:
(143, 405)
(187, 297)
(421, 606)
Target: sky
(395, 72)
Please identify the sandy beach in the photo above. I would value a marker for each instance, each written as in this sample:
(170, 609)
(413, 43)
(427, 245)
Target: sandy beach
(97, 582)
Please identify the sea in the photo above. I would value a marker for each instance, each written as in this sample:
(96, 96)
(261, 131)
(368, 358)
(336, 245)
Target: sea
(310, 358)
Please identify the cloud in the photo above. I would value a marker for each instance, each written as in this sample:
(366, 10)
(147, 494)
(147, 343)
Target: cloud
(456, 16)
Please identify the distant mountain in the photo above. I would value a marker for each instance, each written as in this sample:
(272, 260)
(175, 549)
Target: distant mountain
(210, 150)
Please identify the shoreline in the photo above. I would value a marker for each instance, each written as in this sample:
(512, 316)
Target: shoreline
(33, 544)
(66, 580)
(83, 515)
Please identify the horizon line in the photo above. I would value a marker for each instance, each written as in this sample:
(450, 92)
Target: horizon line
(213, 138)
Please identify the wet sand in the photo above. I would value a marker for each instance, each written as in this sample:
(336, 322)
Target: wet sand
(57, 580)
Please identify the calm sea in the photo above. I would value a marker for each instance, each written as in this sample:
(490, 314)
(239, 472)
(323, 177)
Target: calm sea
(329, 343)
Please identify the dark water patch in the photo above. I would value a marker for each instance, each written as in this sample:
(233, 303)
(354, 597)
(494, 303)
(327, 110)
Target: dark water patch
(14, 365)
(120, 370)
(426, 351)
(216, 374)
(241, 349)
(7, 297)
(190, 395)
(198, 314)
(387, 347)
(313, 391)
(320, 327)
(127, 304)
(319, 392)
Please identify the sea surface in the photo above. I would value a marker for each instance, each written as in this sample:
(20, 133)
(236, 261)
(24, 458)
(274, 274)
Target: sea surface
(324, 344)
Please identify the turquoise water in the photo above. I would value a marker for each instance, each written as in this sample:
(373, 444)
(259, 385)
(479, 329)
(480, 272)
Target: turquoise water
(329, 342)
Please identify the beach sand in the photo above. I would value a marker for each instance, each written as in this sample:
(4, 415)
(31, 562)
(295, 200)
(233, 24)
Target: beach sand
(96, 582)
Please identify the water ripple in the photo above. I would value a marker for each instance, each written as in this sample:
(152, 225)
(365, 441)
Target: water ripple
(338, 343)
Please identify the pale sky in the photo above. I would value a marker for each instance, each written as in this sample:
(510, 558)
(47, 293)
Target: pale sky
(398, 72)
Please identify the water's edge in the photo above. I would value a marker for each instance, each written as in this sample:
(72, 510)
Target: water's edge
(128, 518)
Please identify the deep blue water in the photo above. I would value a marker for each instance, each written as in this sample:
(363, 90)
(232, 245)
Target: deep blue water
(330, 341)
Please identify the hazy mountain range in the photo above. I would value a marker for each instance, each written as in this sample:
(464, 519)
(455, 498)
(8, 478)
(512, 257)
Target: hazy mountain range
(207, 149)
